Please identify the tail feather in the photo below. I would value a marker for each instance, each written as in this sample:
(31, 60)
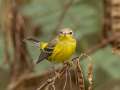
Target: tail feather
(32, 39)
(42, 57)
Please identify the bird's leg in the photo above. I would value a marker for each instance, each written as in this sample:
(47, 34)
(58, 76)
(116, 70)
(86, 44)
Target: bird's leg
(75, 58)
(70, 63)
(73, 61)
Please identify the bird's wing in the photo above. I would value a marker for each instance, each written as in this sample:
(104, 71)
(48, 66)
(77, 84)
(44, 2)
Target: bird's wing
(47, 51)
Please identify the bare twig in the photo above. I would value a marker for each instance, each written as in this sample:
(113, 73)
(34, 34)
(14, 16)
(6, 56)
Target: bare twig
(66, 74)
(53, 86)
(80, 79)
(102, 44)
(90, 70)
(70, 79)
(90, 76)
(50, 81)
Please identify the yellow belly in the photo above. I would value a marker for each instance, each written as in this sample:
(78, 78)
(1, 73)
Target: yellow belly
(62, 52)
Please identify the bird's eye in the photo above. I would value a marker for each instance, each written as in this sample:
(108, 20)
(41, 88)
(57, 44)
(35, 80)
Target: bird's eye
(61, 32)
(70, 32)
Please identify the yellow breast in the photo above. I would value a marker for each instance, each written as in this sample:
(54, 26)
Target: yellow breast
(63, 51)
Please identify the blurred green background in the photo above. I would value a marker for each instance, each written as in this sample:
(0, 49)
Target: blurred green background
(85, 18)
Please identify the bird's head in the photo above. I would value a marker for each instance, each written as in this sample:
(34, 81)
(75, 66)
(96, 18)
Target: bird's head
(65, 33)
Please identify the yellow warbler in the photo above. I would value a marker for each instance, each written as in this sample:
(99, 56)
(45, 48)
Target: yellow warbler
(60, 49)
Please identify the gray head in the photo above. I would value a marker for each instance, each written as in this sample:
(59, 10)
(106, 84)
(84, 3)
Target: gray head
(65, 32)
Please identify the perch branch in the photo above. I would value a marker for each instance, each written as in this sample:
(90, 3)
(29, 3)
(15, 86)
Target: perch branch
(102, 44)
(90, 76)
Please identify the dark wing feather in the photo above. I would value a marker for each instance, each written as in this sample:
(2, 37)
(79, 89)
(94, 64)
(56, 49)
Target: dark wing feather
(47, 51)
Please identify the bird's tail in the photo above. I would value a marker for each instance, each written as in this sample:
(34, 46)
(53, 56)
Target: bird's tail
(32, 39)
(41, 58)
(36, 42)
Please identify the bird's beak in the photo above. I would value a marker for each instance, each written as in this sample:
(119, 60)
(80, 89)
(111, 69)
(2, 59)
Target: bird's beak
(64, 34)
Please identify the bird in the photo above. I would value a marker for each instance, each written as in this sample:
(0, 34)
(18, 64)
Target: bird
(60, 49)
